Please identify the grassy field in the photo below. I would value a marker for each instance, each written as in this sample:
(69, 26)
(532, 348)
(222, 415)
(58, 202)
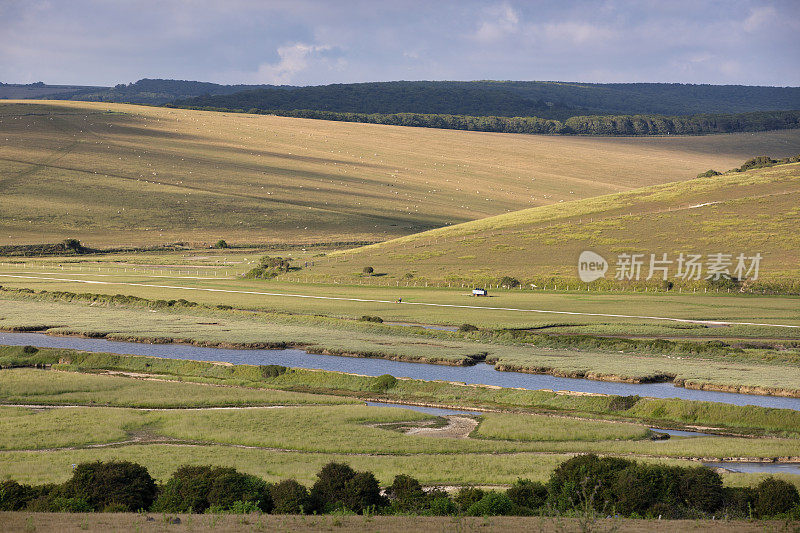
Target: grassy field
(673, 412)
(99, 522)
(40, 445)
(320, 334)
(26, 386)
(750, 212)
(114, 174)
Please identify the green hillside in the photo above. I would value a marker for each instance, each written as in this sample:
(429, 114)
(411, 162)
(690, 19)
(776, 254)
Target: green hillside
(738, 212)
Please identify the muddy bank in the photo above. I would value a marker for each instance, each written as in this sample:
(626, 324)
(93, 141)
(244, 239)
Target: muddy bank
(656, 378)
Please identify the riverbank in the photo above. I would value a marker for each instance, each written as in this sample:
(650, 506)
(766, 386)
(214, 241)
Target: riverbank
(672, 412)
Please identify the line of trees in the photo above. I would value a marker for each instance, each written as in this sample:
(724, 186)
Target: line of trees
(578, 125)
(585, 485)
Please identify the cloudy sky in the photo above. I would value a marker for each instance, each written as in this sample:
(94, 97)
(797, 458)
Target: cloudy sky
(312, 42)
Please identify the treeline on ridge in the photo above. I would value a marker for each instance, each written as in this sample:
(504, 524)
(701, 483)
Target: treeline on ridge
(578, 125)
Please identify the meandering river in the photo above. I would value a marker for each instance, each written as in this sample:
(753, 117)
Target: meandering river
(479, 374)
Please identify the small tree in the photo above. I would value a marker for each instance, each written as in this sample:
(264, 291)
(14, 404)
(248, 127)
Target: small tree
(290, 497)
(507, 282)
(118, 484)
(221, 244)
(368, 270)
(774, 496)
(73, 245)
(407, 494)
(328, 493)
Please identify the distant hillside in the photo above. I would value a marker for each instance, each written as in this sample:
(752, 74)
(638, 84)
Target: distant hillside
(114, 175)
(144, 91)
(41, 90)
(549, 100)
(749, 212)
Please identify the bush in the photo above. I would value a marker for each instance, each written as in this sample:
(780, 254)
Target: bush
(339, 487)
(328, 492)
(14, 496)
(701, 488)
(508, 282)
(407, 494)
(737, 502)
(384, 382)
(186, 490)
(773, 497)
(466, 497)
(585, 477)
(30, 350)
(370, 318)
(527, 494)
(492, 504)
(363, 492)
(623, 403)
(368, 271)
(123, 483)
(442, 506)
(271, 371)
(198, 488)
(229, 487)
(290, 497)
(708, 173)
(466, 328)
(220, 244)
(73, 245)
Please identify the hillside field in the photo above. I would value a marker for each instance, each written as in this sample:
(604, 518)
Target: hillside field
(749, 212)
(123, 175)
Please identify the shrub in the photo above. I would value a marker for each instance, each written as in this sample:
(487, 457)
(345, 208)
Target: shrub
(339, 487)
(737, 502)
(708, 173)
(229, 487)
(198, 488)
(466, 328)
(328, 492)
(368, 270)
(186, 490)
(271, 371)
(123, 483)
(442, 506)
(30, 350)
(221, 244)
(73, 245)
(623, 403)
(492, 504)
(407, 494)
(370, 318)
(508, 282)
(466, 497)
(774, 496)
(701, 488)
(584, 476)
(384, 382)
(527, 494)
(363, 492)
(289, 497)
(14, 496)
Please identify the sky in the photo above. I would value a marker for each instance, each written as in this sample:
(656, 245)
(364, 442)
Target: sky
(314, 42)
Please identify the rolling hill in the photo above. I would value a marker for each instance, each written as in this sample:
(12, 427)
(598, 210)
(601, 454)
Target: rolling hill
(749, 212)
(116, 175)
